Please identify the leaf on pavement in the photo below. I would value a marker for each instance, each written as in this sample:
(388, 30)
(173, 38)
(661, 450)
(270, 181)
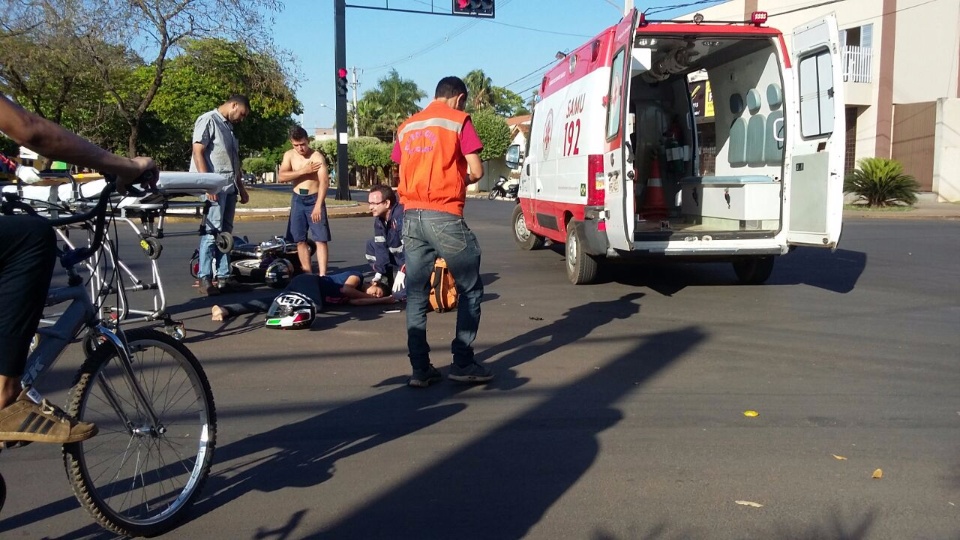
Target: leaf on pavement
(751, 414)
(841, 458)
(749, 503)
(878, 474)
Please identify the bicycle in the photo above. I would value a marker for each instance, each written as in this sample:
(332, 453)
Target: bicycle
(145, 391)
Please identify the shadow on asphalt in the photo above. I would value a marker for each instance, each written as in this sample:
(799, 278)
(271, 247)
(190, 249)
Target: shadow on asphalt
(836, 271)
(499, 486)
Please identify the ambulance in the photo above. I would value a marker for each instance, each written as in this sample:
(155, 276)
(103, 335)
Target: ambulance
(614, 167)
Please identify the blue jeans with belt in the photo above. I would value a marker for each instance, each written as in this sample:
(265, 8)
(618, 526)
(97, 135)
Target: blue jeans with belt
(429, 234)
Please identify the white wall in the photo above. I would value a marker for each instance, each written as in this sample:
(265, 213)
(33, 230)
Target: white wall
(928, 47)
(946, 155)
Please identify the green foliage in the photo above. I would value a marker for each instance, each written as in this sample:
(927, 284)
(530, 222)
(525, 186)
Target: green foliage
(385, 107)
(483, 94)
(329, 149)
(40, 68)
(8, 146)
(257, 165)
(494, 133)
(274, 155)
(203, 76)
(507, 103)
(881, 182)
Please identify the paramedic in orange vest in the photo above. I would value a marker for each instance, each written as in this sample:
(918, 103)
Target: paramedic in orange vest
(439, 155)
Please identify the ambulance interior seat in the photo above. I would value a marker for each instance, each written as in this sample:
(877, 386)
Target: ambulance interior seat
(773, 143)
(756, 129)
(737, 150)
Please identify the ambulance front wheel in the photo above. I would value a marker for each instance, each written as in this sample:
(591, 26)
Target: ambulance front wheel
(581, 266)
(753, 270)
(521, 234)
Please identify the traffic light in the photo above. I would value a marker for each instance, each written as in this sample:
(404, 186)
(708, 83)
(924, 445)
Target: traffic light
(341, 82)
(473, 8)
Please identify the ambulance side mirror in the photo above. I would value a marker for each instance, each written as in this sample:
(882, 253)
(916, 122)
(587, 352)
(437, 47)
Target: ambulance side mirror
(512, 156)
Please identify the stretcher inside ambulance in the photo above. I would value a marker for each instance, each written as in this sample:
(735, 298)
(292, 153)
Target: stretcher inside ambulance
(616, 167)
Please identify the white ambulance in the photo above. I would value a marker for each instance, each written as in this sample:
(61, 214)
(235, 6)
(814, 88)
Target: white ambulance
(614, 168)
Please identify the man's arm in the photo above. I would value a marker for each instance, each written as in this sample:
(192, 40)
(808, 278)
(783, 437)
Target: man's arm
(52, 141)
(288, 174)
(471, 146)
(199, 160)
(476, 168)
(323, 175)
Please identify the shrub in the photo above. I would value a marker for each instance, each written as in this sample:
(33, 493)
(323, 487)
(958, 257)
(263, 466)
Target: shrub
(881, 182)
(494, 133)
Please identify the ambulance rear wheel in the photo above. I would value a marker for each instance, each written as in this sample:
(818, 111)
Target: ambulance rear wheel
(753, 270)
(581, 266)
(522, 235)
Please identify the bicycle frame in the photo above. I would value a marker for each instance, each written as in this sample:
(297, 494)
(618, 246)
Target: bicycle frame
(67, 326)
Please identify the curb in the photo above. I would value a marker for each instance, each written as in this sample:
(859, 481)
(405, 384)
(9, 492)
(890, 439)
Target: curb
(264, 214)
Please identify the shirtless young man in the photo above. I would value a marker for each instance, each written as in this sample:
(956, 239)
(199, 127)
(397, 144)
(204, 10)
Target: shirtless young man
(307, 170)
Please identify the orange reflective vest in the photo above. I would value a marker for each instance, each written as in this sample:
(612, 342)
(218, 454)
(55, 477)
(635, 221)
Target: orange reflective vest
(433, 170)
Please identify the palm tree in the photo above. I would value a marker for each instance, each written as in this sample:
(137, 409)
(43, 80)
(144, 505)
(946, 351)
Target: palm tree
(393, 100)
(480, 90)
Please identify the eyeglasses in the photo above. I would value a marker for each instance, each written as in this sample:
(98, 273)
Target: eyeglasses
(371, 203)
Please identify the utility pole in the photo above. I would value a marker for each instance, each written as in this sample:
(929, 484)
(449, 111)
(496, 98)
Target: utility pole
(340, 62)
(356, 114)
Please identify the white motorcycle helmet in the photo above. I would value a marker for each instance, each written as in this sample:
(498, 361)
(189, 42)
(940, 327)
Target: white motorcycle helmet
(291, 311)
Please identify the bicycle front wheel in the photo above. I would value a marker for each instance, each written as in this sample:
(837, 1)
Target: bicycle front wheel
(138, 477)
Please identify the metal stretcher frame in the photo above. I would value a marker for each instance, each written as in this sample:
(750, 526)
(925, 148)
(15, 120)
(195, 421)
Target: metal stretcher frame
(150, 209)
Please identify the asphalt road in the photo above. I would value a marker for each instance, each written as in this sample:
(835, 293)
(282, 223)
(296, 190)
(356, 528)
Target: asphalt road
(617, 411)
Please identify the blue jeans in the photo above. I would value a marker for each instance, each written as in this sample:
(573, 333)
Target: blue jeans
(427, 235)
(219, 219)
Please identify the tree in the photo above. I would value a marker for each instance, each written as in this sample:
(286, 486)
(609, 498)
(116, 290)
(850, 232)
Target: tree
(258, 166)
(483, 94)
(155, 28)
(208, 71)
(480, 91)
(43, 72)
(507, 103)
(394, 100)
(494, 133)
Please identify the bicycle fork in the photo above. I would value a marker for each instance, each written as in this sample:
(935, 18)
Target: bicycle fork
(126, 365)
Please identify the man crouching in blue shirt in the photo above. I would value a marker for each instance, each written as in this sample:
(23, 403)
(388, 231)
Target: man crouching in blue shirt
(385, 249)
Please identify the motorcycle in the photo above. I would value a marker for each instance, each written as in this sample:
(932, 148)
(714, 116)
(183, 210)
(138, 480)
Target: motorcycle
(504, 189)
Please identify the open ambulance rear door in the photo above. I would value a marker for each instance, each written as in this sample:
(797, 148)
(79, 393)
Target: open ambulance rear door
(619, 185)
(815, 142)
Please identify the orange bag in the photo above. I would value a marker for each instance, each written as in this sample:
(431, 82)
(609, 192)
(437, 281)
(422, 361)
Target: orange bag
(443, 288)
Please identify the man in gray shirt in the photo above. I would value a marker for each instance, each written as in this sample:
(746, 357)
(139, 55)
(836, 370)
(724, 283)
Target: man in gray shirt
(215, 150)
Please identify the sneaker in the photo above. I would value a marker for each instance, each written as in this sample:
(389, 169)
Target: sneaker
(27, 420)
(424, 378)
(207, 288)
(472, 372)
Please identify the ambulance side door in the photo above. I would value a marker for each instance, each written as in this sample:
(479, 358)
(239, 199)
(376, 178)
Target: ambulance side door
(619, 185)
(816, 144)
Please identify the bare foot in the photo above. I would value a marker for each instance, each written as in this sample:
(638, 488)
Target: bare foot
(217, 313)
